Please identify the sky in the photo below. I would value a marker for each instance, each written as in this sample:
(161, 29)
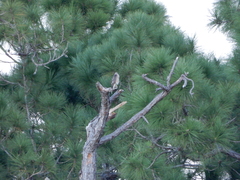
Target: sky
(192, 16)
(4, 67)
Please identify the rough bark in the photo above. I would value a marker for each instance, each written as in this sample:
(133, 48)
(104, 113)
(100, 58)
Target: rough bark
(94, 132)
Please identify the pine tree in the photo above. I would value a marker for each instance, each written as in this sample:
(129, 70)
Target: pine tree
(225, 16)
(65, 47)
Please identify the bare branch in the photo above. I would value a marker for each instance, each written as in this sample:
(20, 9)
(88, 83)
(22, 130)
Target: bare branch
(142, 136)
(52, 59)
(231, 153)
(115, 95)
(117, 107)
(145, 119)
(8, 55)
(188, 166)
(231, 121)
(154, 160)
(171, 72)
(154, 141)
(96, 125)
(113, 114)
(134, 119)
(155, 82)
(140, 114)
(8, 153)
(37, 173)
(236, 171)
(9, 82)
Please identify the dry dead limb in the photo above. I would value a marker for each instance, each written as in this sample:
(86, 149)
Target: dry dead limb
(8, 55)
(165, 91)
(112, 114)
(171, 72)
(9, 82)
(51, 59)
(96, 125)
(154, 160)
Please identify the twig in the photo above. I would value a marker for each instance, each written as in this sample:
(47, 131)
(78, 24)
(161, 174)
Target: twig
(9, 82)
(231, 121)
(142, 136)
(4, 149)
(52, 59)
(171, 72)
(73, 166)
(115, 95)
(164, 152)
(154, 141)
(37, 173)
(235, 171)
(7, 54)
(145, 119)
(189, 166)
(117, 107)
(113, 114)
(155, 82)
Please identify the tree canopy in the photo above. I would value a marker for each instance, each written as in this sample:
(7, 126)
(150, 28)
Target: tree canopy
(64, 47)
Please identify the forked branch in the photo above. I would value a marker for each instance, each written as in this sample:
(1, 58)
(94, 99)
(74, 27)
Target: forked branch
(96, 125)
(165, 91)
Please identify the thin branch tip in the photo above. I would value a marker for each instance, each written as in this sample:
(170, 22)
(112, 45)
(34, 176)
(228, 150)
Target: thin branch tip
(171, 72)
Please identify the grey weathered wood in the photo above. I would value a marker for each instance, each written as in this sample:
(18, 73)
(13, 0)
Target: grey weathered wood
(94, 132)
(96, 125)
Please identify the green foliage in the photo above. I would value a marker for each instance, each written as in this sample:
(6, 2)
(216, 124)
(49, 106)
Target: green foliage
(188, 133)
(51, 101)
(65, 22)
(97, 19)
(44, 108)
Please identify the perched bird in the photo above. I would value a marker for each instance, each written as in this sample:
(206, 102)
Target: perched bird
(115, 81)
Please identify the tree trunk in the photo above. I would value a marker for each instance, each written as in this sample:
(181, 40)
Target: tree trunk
(94, 132)
(89, 167)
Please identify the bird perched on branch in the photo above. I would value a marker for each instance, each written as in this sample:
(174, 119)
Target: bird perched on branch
(115, 81)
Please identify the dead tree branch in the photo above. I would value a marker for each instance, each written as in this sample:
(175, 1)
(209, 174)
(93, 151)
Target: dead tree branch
(96, 125)
(171, 72)
(146, 109)
(9, 82)
(8, 55)
(52, 58)
(231, 153)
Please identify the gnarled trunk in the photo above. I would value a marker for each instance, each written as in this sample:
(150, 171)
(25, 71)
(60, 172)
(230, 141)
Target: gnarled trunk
(94, 132)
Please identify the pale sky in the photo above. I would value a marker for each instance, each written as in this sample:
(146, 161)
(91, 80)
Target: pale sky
(192, 16)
